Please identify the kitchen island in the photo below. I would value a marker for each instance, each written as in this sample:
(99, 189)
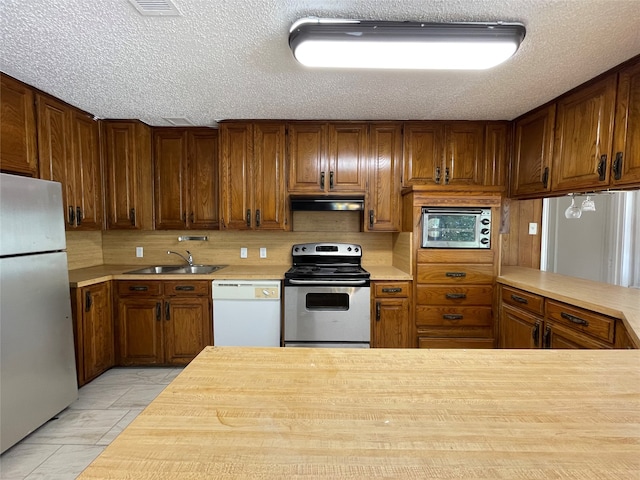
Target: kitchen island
(340, 413)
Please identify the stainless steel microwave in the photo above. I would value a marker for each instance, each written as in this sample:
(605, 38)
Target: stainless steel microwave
(459, 227)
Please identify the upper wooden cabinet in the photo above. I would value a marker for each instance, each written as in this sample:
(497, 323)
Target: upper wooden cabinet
(444, 153)
(382, 202)
(532, 152)
(625, 165)
(252, 183)
(69, 153)
(186, 178)
(327, 158)
(18, 151)
(128, 172)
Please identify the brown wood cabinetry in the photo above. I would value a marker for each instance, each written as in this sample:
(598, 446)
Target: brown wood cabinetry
(93, 330)
(162, 323)
(69, 153)
(128, 175)
(382, 201)
(18, 145)
(625, 166)
(390, 315)
(532, 152)
(186, 178)
(252, 182)
(444, 153)
(327, 157)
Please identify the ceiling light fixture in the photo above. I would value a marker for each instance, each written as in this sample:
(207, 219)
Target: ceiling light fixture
(321, 42)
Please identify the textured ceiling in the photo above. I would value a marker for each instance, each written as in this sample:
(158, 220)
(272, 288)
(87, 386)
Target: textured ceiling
(229, 59)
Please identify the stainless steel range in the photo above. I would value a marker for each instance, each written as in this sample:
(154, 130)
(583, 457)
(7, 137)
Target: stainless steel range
(326, 297)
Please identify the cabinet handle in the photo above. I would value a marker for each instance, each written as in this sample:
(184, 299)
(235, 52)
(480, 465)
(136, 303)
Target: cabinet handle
(184, 218)
(452, 316)
(545, 177)
(370, 218)
(392, 290)
(437, 179)
(78, 216)
(191, 217)
(88, 301)
(158, 311)
(185, 288)
(535, 334)
(322, 180)
(617, 166)
(136, 288)
(248, 218)
(258, 218)
(167, 311)
(574, 319)
(547, 338)
(602, 168)
(456, 274)
(331, 180)
(132, 216)
(378, 308)
(455, 296)
(446, 176)
(518, 299)
(72, 216)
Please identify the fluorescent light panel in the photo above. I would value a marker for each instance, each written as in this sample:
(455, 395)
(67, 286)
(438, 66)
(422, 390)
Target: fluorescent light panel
(403, 45)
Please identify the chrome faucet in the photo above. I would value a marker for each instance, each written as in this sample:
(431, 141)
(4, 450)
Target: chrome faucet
(189, 260)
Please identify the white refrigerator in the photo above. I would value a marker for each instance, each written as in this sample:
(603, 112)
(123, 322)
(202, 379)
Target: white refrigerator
(37, 359)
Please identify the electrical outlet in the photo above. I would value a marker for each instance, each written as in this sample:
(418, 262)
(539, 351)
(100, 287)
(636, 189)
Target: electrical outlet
(243, 252)
(263, 252)
(139, 252)
(533, 229)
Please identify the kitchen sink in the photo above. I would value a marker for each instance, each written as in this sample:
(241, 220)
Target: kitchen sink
(177, 269)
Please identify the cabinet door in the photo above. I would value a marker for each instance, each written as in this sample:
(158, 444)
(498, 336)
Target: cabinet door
(188, 328)
(236, 152)
(54, 150)
(390, 323)
(270, 196)
(88, 172)
(170, 171)
(18, 146)
(464, 153)
(496, 148)
(532, 152)
(347, 157)
(203, 179)
(140, 331)
(423, 154)
(98, 338)
(129, 195)
(626, 148)
(307, 158)
(385, 169)
(583, 137)
(519, 329)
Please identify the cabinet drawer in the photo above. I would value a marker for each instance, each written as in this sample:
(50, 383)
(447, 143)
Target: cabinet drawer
(449, 255)
(453, 316)
(585, 321)
(455, 342)
(454, 295)
(524, 300)
(454, 273)
(184, 288)
(142, 288)
(392, 289)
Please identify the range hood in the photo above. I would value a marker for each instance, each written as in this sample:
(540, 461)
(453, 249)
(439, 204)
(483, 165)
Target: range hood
(308, 203)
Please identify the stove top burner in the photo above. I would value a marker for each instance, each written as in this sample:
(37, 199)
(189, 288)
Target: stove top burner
(327, 262)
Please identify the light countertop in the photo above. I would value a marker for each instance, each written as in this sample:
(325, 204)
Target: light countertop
(406, 414)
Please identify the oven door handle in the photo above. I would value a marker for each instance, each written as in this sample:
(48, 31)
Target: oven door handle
(328, 282)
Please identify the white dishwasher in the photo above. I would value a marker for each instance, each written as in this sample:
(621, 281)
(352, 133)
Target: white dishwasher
(246, 313)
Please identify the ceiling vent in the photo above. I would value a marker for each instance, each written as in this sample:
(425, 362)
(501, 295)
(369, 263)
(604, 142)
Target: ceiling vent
(156, 8)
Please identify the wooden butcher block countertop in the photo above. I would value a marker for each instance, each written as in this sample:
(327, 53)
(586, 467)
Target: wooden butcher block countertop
(303, 413)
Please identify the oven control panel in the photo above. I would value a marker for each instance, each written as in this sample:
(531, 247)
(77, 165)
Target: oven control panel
(320, 249)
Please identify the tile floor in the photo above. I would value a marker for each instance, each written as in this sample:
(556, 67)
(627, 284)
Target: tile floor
(63, 447)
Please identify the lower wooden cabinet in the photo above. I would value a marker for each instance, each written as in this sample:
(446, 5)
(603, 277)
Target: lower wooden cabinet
(162, 322)
(93, 330)
(390, 315)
